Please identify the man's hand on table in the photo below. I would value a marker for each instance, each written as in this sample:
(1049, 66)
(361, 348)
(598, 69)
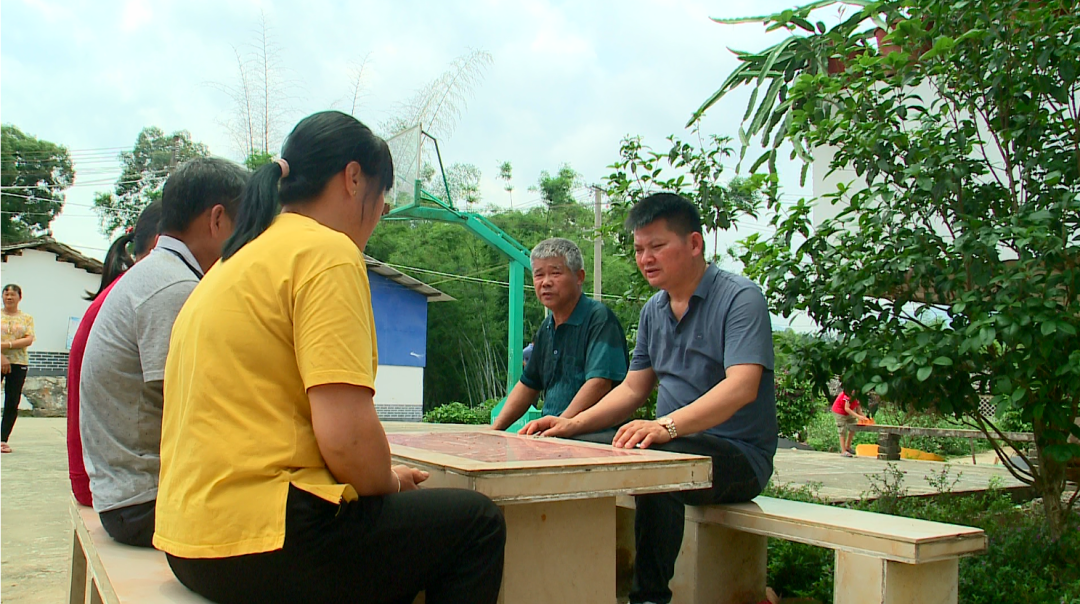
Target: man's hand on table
(641, 433)
(410, 477)
(551, 425)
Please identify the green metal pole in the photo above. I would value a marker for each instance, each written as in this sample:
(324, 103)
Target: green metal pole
(515, 324)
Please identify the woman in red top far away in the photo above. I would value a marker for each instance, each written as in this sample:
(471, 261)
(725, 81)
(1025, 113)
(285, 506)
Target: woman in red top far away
(847, 412)
(117, 261)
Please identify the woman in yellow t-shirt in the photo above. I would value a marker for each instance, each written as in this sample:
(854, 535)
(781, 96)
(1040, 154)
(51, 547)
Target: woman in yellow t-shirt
(16, 334)
(276, 483)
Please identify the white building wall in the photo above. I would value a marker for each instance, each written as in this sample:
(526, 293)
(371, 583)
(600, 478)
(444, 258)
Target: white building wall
(399, 393)
(52, 293)
(826, 182)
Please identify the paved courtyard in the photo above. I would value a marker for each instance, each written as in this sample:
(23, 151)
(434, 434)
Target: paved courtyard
(34, 492)
(840, 479)
(35, 539)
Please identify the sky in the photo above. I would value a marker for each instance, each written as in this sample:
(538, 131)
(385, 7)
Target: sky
(567, 82)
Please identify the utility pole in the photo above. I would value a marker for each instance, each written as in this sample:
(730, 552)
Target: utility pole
(175, 150)
(598, 244)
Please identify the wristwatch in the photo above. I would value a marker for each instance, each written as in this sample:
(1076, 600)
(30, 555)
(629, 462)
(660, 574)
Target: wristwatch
(669, 425)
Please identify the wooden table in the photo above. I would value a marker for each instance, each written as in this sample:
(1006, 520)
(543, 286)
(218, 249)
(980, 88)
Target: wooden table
(558, 497)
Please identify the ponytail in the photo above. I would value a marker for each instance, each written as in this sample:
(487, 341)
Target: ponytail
(117, 261)
(258, 207)
(141, 238)
(317, 149)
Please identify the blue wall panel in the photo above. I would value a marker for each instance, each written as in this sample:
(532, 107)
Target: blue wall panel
(400, 322)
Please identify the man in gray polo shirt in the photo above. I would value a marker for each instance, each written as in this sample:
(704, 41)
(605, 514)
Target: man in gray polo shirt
(706, 338)
(124, 365)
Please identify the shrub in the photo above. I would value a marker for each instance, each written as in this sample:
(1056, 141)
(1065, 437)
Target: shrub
(797, 570)
(459, 413)
(796, 404)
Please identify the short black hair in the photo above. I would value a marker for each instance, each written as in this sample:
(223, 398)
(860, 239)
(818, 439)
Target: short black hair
(198, 185)
(682, 216)
(14, 288)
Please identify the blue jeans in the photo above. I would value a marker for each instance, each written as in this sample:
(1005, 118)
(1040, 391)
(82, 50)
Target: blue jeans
(658, 524)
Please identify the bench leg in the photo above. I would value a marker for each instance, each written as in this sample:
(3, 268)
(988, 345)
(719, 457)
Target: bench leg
(77, 586)
(888, 446)
(625, 550)
(95, 593)
(867, 580)
(719, 565)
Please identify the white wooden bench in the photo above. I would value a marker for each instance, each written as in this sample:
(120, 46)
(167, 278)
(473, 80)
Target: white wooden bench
(106, 572)
(880, 559)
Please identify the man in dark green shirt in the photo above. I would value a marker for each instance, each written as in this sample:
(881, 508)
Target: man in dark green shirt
(579, 353)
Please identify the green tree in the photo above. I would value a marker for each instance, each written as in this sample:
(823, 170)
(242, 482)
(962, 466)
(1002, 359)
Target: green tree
(146, 168)
(557, 191)
(506, 174)
(464, 183)
(466, 357)
(953, 265)
(33, 174)
(257, 159)
(462, 180)
(693, 171)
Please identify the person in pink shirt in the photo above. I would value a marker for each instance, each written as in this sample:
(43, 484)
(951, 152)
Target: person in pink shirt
(847, 412)
(117, 261)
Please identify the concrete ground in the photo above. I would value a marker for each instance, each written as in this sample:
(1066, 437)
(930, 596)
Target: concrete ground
(840, 479)
(35, 526)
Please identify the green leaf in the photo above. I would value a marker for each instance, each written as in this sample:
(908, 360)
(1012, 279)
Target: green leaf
(773, 56)
(944, 361)
(765, 107)
(741, 75)
(751, 103)
(923, 373)
(1063, 453)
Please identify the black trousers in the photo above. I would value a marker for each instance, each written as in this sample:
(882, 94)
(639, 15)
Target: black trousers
(13, 385)
(658, 524)
(131, 525)
(447, 542)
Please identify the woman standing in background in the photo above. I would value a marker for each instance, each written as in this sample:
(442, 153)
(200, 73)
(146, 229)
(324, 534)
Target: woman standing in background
(16, 334)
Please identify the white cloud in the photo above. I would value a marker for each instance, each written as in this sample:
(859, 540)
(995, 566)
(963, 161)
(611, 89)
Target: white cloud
(567, 82)
(136, 14)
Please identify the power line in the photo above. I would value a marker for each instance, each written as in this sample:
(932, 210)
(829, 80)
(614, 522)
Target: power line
(503, 284)
(73, 152)
(152, 180)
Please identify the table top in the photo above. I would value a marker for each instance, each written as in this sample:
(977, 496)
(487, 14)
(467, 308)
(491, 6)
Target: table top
(510, 467)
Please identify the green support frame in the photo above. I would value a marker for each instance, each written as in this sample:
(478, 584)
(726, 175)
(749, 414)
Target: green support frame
(517, 254)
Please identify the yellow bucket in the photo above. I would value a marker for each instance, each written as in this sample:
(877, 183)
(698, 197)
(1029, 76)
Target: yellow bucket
(905, 453)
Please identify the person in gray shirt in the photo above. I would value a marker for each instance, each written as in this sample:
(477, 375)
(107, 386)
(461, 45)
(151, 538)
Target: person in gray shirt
(120, 389)
(706, 339)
